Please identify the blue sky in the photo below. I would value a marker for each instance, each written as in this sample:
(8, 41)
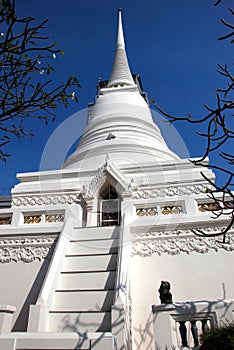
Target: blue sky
(172, 44)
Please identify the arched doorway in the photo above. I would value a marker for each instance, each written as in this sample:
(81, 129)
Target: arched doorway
(109, 207)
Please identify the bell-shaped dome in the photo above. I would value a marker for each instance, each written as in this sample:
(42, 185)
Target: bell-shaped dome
(120, 122)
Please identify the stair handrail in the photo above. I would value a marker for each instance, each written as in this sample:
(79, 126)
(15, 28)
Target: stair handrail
(39, 312)
(121, 276)
(45, 296)
(120, 308)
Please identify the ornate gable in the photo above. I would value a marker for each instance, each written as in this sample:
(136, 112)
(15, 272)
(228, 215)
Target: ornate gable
(108, 171)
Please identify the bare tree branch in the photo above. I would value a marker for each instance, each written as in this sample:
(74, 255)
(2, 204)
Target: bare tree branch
(25, 90)
(218, 132)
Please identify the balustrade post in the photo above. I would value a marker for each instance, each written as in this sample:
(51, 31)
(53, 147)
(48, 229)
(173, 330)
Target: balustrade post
(194, 331)
(164, 326)
(205, 327)
(183, 333)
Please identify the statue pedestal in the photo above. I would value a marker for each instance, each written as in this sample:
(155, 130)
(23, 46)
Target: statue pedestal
(6, 315)
(164, 326)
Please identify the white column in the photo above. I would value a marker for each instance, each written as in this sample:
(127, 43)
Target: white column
(164, 326)
(92, 213)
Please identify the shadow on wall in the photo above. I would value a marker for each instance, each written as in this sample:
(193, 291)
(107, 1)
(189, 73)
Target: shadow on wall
(188, 320)
(78, 323)
(83, 337)
(144, 338)
(222, 305)
(143, 334)
(22, 319)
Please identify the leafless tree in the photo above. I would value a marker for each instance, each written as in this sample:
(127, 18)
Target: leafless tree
(218, 132)
(26, 88)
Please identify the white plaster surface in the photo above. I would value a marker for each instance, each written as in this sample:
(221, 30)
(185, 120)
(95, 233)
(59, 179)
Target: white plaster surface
(193, 277)
(92, 282)
(20, 286)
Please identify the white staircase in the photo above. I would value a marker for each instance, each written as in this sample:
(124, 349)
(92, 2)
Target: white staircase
(85, 293)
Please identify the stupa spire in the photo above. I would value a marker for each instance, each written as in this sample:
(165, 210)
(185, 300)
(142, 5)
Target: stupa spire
(121, 74)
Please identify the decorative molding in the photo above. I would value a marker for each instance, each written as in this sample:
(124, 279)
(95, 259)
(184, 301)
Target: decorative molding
(166, 210)
(218, 205)
(121, 179)
(210, 206)
(69, 198)
(152, 211)
(178, 241)
(24, 249)
(86, 193)
(43, 218)
(89, 192)
(32, 219)
(170, 191)
(100, 178)
(170, 210)
(54, 218)
(6, 219)
(155, 234)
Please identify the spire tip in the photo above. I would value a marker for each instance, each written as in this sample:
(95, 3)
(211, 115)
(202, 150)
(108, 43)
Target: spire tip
(120, 72)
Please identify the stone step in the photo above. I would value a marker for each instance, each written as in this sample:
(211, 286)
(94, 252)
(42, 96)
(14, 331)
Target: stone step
(96, 233)
(89, 280)
(90, 263)
(85, 293)
(79, 322)
(77, 300)
(92, 247)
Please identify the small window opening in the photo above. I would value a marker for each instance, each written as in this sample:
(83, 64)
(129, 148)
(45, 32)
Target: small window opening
(109, 205)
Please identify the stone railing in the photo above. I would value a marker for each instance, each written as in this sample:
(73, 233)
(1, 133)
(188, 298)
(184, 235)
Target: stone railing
(5, 215)
(43, 218)
(121, 308)
(196, 327)
(212, 206)
(159, 210)
(5, 219)
(180, 324)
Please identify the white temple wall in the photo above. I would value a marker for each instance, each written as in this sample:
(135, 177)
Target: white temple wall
(21, 287)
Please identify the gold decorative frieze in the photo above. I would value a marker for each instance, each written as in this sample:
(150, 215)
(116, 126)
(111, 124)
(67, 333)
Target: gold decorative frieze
(5, 220)
(32, 219)
(146, 211)
(43, 218)
(212, 206)
(54, 218)
(170, 210)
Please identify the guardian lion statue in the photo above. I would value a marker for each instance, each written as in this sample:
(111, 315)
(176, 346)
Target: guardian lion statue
(164, 293)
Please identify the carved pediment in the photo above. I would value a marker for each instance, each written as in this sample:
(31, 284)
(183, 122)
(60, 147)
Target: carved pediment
(107, 172)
